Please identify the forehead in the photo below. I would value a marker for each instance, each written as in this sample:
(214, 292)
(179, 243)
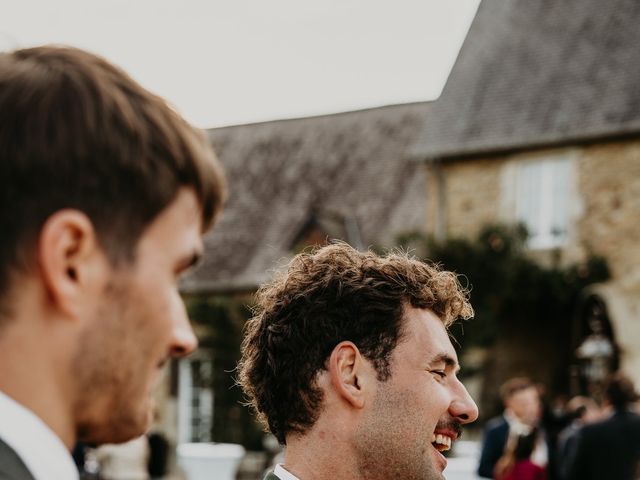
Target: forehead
(425, 336)
(525, 395)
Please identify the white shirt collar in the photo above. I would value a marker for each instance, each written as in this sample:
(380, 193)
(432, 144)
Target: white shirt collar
(516, 426)
(34, 442)
(283, 474)
(540, 454)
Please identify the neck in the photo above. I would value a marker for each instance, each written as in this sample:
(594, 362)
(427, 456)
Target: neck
(320, 454)
(34, 373)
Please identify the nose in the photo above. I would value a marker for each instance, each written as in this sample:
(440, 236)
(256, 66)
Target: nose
(463, 408)
(183, 339)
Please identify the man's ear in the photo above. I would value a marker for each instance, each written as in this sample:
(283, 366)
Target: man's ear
(68, 253)
(349, 376)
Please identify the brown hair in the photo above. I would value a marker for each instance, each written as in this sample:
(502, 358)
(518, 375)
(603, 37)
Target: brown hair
(77, 132)
(619, 390)
(513, 386)
(324, 297)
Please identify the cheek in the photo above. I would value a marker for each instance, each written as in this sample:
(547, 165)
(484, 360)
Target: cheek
(156, 303)
(436, 400)
(426, 404)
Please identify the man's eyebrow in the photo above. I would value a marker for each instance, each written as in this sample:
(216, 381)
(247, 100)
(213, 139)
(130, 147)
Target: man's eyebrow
(447, 359)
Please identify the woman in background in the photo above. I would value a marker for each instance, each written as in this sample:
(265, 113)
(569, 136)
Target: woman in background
(516, 463)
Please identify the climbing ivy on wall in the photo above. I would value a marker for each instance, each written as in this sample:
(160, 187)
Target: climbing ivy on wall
(508, 288)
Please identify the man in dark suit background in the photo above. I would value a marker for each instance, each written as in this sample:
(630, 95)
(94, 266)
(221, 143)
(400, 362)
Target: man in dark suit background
(610, 448)
(349, 363)
(522, 413)
(105, 193)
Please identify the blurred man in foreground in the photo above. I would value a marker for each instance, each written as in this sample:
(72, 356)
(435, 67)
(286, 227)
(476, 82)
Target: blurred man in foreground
(582, 411)
(105, 193)
(610, 448)
(349, 363)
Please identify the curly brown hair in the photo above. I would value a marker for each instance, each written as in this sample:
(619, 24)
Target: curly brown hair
(324, 297)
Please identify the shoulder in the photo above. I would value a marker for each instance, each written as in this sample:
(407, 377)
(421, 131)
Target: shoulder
(528, 467)
(11, 465)
(592, 431)
(634, 418)
(537, 468)
(496, 422)
(619, 420)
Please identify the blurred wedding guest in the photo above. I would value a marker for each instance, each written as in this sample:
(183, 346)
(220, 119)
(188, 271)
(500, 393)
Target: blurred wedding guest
(610, 448)
(159, 448)
(582, 411)
(86, 463)
(516, 462)
(124, 461)
(522, 414)
(105, 195)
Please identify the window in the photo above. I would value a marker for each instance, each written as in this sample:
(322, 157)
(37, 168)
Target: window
(542, 195)
(195, 398)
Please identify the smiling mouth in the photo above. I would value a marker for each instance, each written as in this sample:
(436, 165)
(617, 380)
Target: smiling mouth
(445, 433)
(440, 442)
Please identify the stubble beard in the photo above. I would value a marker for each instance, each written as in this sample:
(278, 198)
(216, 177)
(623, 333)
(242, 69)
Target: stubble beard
(108, 408)
(381, 442)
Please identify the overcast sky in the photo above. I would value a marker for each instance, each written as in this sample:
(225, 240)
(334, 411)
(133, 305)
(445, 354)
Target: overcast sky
(239, 61)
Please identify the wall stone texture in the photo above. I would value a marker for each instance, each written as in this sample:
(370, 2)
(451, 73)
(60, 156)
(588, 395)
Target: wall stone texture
(609, 185)
(473, 193)
(606, 222)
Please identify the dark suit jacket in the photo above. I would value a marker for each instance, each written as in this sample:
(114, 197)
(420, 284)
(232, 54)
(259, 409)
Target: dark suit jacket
(608, 450)
(495, 438)
(271, 476)
(11, 466)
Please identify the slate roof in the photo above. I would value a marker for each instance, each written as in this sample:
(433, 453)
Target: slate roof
(350, 166)
(539, 73)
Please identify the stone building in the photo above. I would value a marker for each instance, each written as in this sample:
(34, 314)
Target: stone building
(539, 123)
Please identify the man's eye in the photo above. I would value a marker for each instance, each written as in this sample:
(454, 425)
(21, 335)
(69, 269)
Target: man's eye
(440, 373)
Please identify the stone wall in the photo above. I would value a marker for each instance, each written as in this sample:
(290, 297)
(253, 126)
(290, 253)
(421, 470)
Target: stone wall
(606, 222)
(609, 183)
(472, 191)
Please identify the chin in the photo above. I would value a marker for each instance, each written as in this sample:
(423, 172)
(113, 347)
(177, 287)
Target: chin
(119, 427)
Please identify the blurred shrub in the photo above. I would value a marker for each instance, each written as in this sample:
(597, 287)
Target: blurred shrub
(223, 319)
(508, 288)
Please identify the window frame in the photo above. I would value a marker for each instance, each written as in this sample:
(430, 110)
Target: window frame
(547, 165)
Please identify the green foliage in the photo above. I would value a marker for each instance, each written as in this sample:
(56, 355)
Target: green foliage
(509, 290)
(224, 319)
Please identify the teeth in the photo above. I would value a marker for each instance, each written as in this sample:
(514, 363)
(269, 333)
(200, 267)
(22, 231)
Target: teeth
(441, 442)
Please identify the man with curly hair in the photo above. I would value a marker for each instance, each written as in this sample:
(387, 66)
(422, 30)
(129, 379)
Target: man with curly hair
(348, 362)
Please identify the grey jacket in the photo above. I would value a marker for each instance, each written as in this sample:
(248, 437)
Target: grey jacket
(11, 466)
